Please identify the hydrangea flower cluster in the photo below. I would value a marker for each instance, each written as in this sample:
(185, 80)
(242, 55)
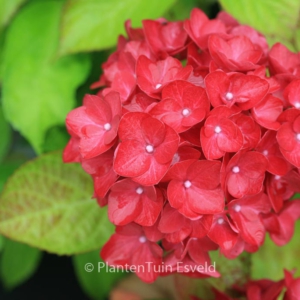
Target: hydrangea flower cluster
(193, 143)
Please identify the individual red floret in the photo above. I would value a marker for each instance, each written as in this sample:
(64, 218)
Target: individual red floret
(246, 91)
(264, 289)
(190, 258)
(199, 27)
(261, 72)
(130, 247)
(283, 61)
(220, 135)
(192, 135)
(129, 202)
(245, 214)
(102, 172)
(140, 102)
(95, 123)
(153, 76)
(136, 49)
(200, 61)
(267, 111)
(269, 147)
(250, 130)
(292, 92)
(224, 234)
(124, 63)
(235, 54)
(183, 105)
(288, 137)
(124, 83)
(134, 34)
(146, 150)
(71, 152)
(293, 286)
(281, 188)
(281, 226)
(165, 38)
(184, 152)
(194, 188)
(177, 227)
(245, 173)
(227, 19)
(254, 36)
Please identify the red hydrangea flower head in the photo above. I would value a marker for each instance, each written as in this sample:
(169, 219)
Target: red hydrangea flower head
(193, 143)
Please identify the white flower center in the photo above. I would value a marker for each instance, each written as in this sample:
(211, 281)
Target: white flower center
(149, 148)
(218, 129)
(265, 152)
(237, 208)
(298, 137)
(107, 126)
(277, 177)
(220, 221)
(229, 96)
(236, 169)
(185, 112)
(297, 105)
(187, 184)
(139, 190)
(142, 239)
(176, 158)
(158, 86)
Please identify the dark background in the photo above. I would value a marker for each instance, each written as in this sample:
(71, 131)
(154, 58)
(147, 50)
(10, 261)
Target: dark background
(54, 279)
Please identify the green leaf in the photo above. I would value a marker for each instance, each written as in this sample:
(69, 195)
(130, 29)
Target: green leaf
(47, 204)
(5, 136)
(7, 169)
(270, 260)
(278, 20)
(17, 263)
(38, 90)
(92, 25)
(1, 243)
(8, 9)
(182, 8)
(98, 282)
(56, 139)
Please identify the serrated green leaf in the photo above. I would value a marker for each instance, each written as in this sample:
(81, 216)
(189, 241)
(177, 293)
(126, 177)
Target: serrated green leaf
(270, 260)
(17, 263)
(47, 204)
(95, 24)
(278, 20)
(38, 90)
(5, 131)
(7, 10)
(98, 282)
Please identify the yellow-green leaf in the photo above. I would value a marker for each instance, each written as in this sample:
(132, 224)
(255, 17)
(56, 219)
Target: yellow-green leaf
(277, 19)
(95, 24)
(7, 10)
(38, 90)
(47, 204)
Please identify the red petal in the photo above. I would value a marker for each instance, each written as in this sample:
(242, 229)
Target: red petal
(131, 159)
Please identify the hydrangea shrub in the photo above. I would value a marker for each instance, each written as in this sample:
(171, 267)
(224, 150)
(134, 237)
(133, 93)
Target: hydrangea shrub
(193, 143)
